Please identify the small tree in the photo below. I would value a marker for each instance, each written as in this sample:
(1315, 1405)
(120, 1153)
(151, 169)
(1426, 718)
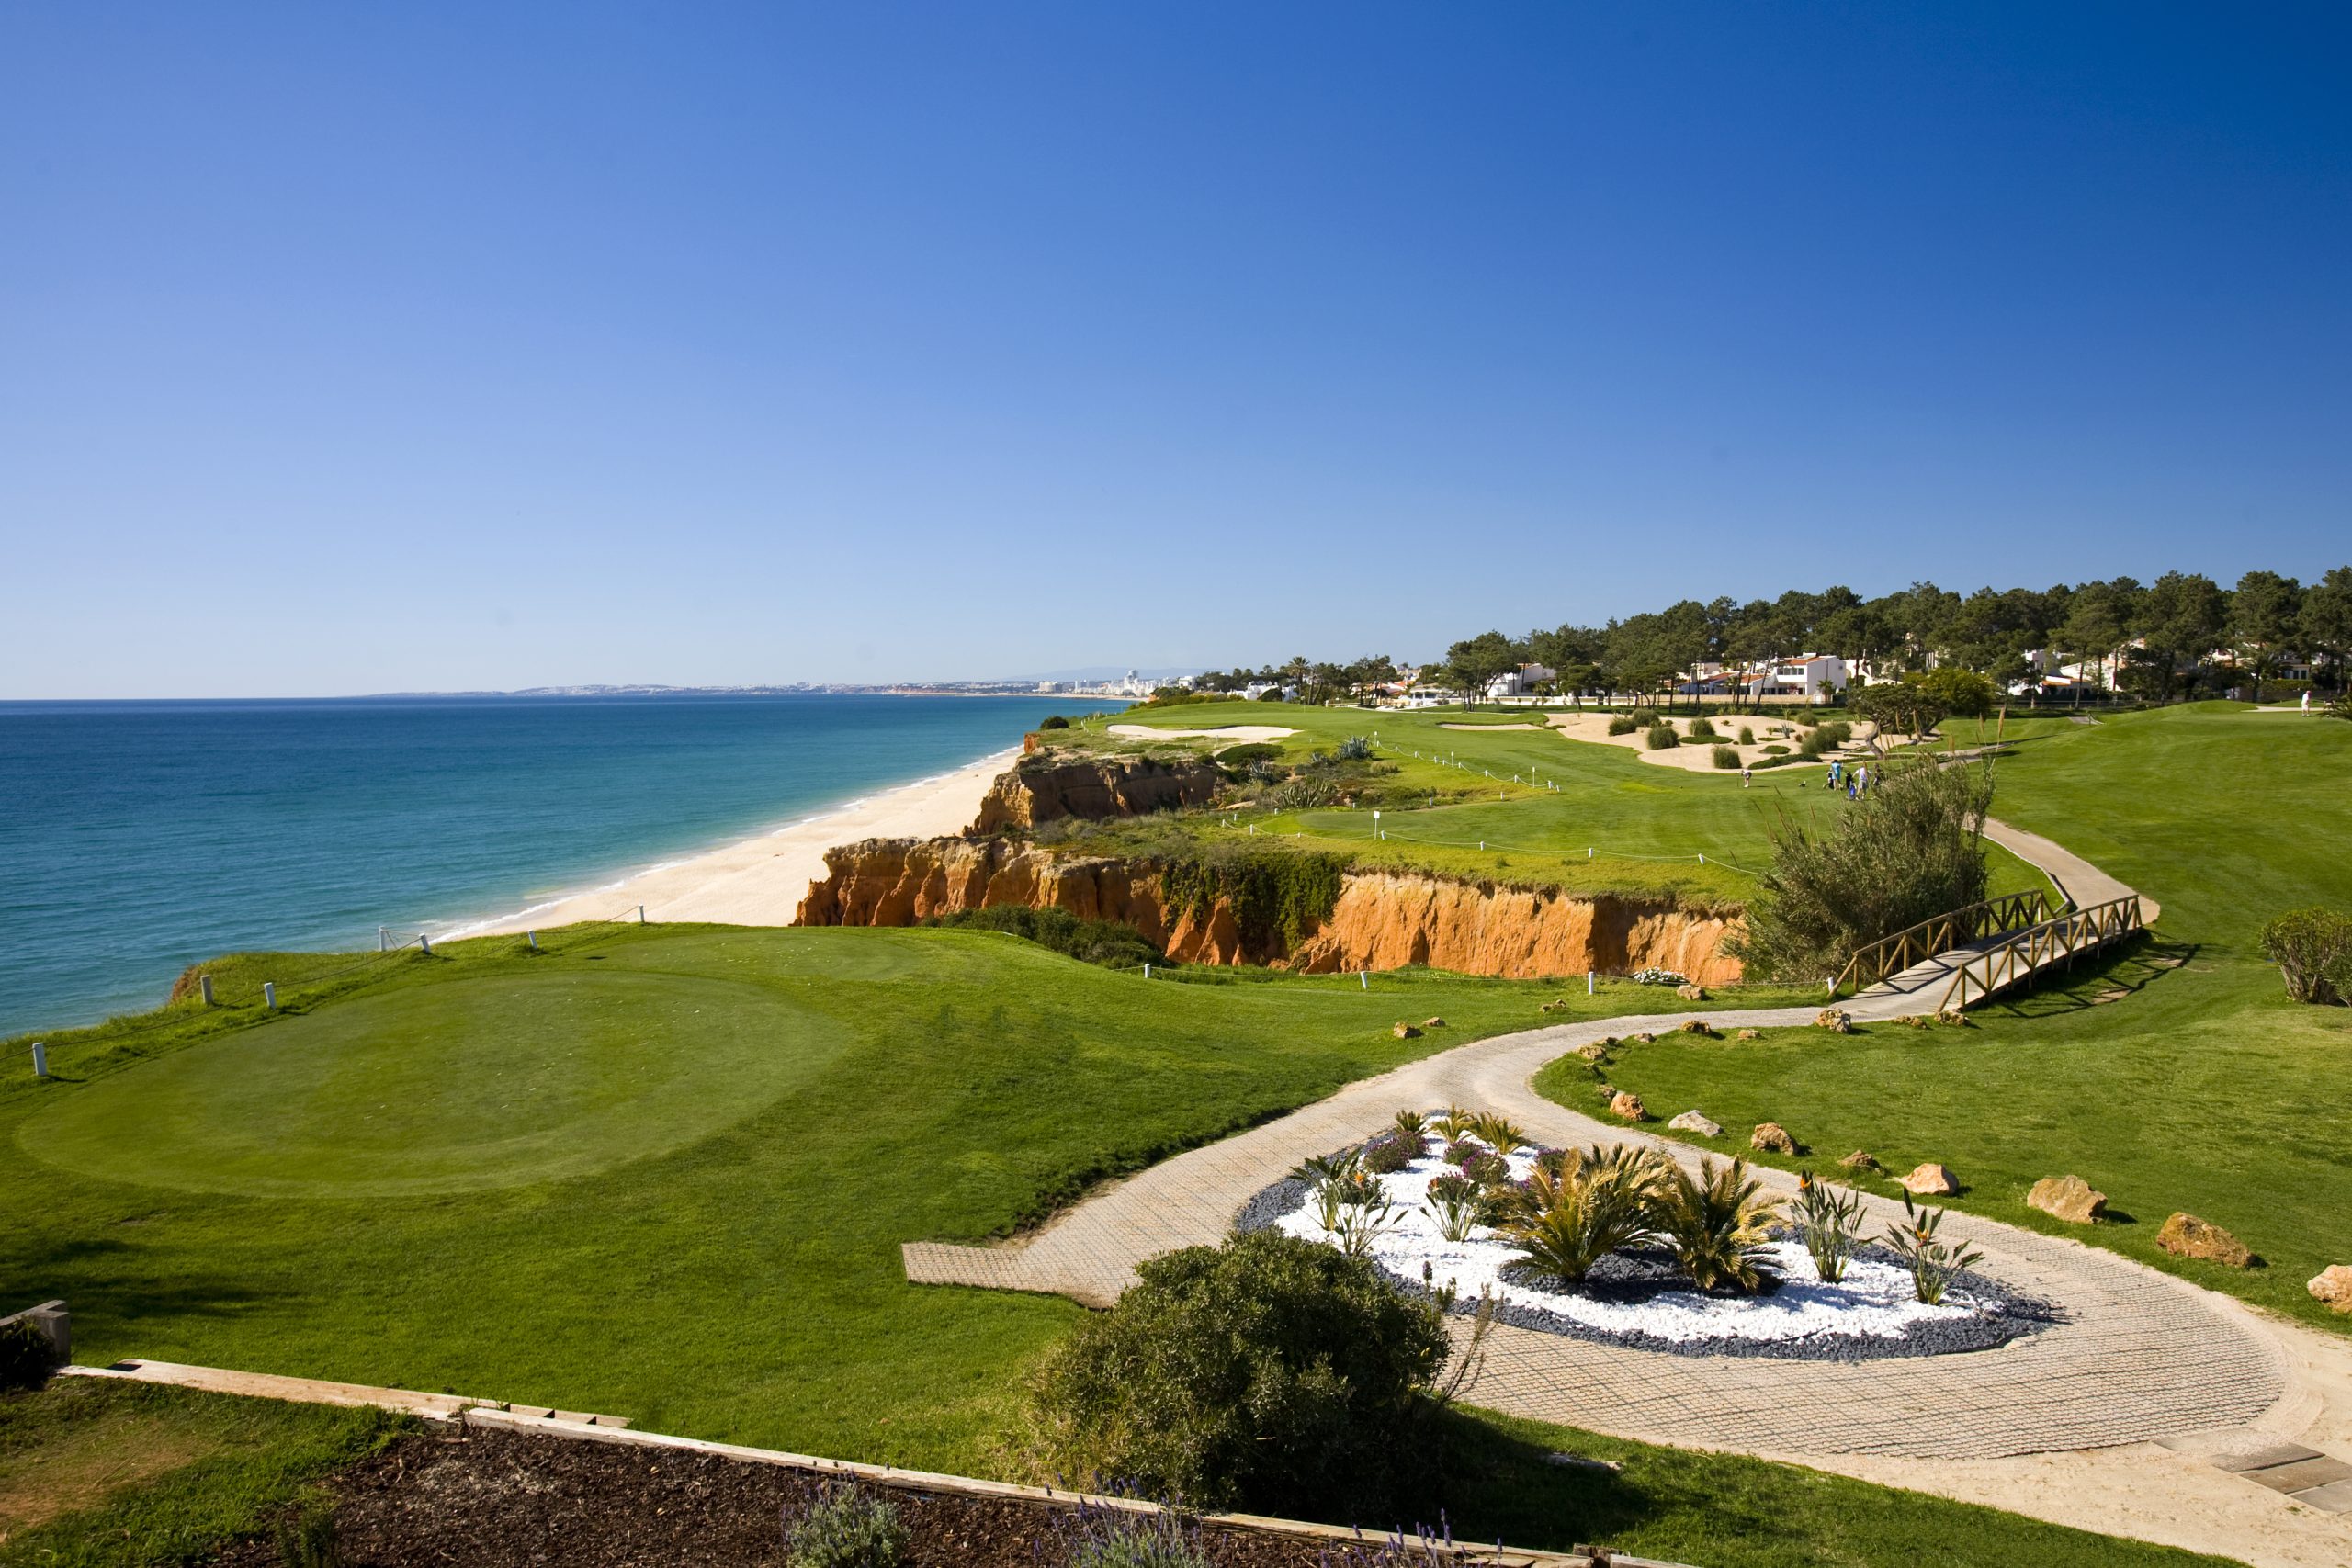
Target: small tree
(2313, 951)
(1907, 850)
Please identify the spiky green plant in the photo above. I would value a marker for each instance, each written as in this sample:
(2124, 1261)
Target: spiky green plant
(1455, 1121)
(1498, 1132)
(1411, 1124)
(1717, 1222)
(1829, 1222)
(1570, 1222)
(1456, 1215)
(1932, 1262)
(1319, 1168)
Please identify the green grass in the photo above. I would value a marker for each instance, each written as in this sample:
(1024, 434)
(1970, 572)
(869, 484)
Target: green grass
(421, 1178)
(104, 1474)
(1614, 823)
(2177, 1075)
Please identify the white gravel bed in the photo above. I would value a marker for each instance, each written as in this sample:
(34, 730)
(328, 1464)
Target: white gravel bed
(1632, 1299)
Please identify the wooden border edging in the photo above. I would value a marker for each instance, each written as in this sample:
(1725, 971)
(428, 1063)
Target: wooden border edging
(506, 1417)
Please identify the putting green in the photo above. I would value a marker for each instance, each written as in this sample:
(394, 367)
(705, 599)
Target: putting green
(448, 1087)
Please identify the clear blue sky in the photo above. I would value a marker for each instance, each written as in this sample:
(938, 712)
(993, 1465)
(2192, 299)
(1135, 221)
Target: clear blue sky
(349, 349)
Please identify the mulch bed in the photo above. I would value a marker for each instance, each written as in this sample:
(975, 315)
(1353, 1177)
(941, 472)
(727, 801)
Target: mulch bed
(501, 1499)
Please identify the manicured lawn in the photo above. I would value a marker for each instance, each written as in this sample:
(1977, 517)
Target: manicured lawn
(2176, 1076)
(660, 1171)
(102, 1474)
(1614, 823)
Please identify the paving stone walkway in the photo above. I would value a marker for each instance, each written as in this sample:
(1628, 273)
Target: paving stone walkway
(2142, 1356)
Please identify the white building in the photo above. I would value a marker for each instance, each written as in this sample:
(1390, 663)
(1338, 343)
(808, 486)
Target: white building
(1808, 676)
(1518, 683)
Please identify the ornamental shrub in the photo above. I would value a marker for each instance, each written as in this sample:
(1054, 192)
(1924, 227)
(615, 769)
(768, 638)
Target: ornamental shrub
(1624, 723)
(1269, 1373)
(1662, 738)
(1727, 756)
(1053, 721)
(846, 1527)
(1837, 732)
(2313, 951)
(1107, 1539)
(1701, 729)
(1746, 736)
(1391, 1152)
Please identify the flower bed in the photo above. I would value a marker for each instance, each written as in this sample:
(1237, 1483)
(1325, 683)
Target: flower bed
(1639, 1297)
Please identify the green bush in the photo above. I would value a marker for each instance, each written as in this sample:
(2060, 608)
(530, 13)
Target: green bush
(1773, 747)
(1354, 749)
(1053, 721)
(1269, 1373)
(1105, 942)
(1624, 723)
(1835, 733)
(1600, 1201)
(1746, 736)
(846, 1527)
(1727, 756)
(2313, 951)
(1701, 729)
(1278, 897)
(1718, 1224)
(1662, 738)
(1909, 849)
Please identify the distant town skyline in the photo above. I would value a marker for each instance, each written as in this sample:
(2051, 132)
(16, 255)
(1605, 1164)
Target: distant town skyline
(347, 353)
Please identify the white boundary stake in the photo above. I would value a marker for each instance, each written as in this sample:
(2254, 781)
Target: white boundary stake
(501, 1416)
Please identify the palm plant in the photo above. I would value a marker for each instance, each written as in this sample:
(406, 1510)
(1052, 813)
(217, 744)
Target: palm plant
(1321, 1168)
(1498, 1132)
(1717, 1223)
(1829, 1222)
(1572, 1221)
(1932, 1262)
(1453, 1124)
(1410, 1124)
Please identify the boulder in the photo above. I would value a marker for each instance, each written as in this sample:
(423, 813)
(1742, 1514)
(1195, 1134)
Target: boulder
(1629, 1106)
(1406, 1032)
(1597, 1051)
(1698, 1026)
(1692, 1122)
(1952, 1018)
(1835, 1019)
(1916, 1021)
(1772, 1138)
(2332, 1285)
(1861, 1159)
(1749, 1034)
(1691, 992)
(2068, 1198)
(1645, 1039)
(1432, 1023)
(1932, 1181)
(2186, 1236)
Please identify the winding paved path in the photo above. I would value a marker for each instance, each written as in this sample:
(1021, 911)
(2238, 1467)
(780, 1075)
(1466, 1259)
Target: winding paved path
(2144, 1359)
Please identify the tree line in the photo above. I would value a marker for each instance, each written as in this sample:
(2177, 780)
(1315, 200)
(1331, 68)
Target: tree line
(2157, 640)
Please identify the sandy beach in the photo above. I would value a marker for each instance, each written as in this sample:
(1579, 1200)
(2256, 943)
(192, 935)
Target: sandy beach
(760, 881)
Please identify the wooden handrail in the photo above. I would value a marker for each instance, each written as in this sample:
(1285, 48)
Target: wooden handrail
(2028, 952)
(1916, 943)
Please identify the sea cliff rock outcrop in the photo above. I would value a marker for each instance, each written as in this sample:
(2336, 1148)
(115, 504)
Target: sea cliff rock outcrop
(1380, 921)
(1046, 788)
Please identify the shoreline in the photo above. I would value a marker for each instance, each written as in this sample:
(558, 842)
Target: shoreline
(760, 880)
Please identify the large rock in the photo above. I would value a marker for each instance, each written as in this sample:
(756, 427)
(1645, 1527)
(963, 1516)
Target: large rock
(1594, 1052)
(2334, 1285)
(1931, 1180)
(1772, 1138)
(1406, 1032)
(1692, 1122)
(2186, 1236)
(1835, 1019)
(2068, 1198)
(1749, 1034)
(1432, 1023)
(1861, 1159)
(1628, 1105)
(1691, 991)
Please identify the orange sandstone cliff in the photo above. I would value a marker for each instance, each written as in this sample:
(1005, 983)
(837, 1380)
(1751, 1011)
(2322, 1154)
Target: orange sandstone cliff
(1381, 919)
(1046, 788)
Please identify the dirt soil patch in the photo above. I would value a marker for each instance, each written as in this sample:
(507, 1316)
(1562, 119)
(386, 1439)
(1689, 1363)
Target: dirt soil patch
(491, 1499)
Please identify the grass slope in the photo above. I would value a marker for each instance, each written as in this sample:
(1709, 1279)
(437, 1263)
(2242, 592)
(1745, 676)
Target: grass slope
(2176, 1076)
(1614, 823)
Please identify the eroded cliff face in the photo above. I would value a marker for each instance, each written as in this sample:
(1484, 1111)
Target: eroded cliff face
(1042, 789)
(1381, 920)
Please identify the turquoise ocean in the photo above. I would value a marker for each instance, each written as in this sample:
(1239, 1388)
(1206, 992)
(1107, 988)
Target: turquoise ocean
(137, 838)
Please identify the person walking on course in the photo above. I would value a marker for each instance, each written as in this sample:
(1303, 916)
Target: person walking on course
(2307, 699)
(1744, 775)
